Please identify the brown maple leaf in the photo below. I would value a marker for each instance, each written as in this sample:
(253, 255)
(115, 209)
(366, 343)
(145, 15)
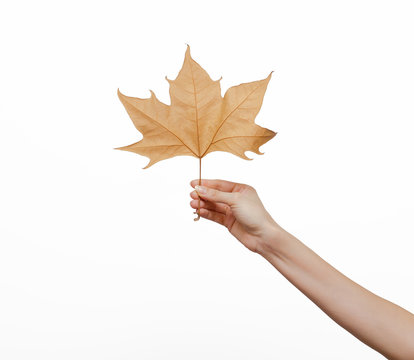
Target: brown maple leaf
(199, 120)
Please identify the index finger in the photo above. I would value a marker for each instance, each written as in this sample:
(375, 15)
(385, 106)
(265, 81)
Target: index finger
(217, 184)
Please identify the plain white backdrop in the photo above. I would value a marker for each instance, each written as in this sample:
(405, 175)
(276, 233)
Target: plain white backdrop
(100, 259)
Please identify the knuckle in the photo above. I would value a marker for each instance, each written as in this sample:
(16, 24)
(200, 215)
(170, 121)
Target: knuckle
(213, 193)
(237, 196)
(250, 188)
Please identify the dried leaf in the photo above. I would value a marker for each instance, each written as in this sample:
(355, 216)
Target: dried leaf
(198, 121)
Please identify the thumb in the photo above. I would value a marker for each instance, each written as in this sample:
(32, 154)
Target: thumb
(206, 193)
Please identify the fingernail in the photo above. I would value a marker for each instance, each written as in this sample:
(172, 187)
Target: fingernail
(201, 189)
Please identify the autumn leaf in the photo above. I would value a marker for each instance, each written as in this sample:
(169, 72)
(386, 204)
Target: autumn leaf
(199, 120)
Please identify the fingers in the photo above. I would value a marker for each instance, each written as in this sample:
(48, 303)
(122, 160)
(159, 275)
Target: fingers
(211, 210)
(213, 195)
(217, 184)
(218, 207)
(213, 216)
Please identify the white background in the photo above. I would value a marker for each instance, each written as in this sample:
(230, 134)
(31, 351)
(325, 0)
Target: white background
(100, 259)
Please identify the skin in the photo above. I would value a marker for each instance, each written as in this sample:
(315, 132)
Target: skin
(377, 322)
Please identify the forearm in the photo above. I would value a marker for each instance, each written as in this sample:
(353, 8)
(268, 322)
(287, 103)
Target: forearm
(380, 324)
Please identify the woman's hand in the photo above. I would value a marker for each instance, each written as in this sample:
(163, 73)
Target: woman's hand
(381, 324)
(238, 208)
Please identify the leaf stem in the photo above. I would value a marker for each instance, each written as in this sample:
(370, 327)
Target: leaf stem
(199, 183)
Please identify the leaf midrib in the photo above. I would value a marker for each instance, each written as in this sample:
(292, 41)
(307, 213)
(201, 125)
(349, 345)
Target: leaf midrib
(219, 127)
(237, 136)
(161, 125)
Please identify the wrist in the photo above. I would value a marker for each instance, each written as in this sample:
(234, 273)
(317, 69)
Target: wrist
(272, 240)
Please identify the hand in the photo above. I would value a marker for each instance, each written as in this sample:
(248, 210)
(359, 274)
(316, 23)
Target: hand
(238, 208)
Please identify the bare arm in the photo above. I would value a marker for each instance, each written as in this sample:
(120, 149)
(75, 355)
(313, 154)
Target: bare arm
(379, 323)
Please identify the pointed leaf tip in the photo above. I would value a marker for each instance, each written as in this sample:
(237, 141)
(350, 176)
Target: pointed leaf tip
(120, 95)
(150, 163)
(187, 52)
